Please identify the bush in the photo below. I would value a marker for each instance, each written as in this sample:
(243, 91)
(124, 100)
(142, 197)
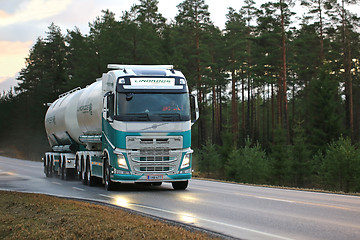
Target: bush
(340, 168)
(209, 160)
(248, 164)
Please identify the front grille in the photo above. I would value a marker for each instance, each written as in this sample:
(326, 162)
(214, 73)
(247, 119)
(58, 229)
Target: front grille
(154, 152)
(154, 168)
(153, 159)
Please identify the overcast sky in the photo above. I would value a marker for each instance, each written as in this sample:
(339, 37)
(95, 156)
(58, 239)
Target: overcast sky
(23, 21)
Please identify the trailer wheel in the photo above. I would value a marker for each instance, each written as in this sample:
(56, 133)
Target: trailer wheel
(83, 172)
(45, 167)
(180, 185)
(109, 185)
(51, 167)
(77, 171)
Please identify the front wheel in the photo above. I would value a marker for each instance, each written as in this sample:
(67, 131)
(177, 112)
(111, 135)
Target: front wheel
(180, 185)
(109, 185)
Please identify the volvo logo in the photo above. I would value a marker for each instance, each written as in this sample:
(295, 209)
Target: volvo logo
(154, 126)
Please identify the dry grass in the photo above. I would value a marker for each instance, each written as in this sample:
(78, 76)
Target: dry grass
(35, 216)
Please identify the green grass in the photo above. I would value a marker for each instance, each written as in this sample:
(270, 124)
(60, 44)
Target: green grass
(36, 216)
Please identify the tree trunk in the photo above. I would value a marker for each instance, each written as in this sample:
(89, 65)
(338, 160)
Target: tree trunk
(234, 111)
(243, 104)
(284, 79)
(348, 77)
(321, 34)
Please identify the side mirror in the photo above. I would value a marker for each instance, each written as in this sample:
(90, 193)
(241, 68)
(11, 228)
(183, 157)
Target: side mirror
(109, 106)
(194, 109)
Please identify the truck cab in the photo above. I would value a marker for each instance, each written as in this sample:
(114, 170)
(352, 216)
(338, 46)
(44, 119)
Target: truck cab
(146, 124)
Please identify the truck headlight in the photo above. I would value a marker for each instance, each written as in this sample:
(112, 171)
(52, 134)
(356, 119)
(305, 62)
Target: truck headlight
(122, 161)
(186, 161)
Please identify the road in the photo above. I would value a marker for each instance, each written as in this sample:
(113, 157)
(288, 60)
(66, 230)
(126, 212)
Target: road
(240, 211)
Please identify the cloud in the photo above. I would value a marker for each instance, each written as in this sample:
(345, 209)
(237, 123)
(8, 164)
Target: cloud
(11, 48)
(33, 10)
(12, 56)
(6, 83)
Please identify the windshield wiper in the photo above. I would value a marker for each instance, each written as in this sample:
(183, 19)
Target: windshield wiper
(170, 116)
(135, 117)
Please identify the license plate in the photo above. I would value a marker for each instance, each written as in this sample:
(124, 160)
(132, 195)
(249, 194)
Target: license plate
(155, 177)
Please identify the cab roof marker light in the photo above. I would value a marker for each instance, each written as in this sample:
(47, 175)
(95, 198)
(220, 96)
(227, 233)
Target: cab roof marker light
(123, 67)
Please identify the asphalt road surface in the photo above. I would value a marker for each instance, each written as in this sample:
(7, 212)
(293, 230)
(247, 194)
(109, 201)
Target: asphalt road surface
(239, 211)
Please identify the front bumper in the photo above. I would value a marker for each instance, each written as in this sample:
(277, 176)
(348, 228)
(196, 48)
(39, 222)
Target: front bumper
(150, 177)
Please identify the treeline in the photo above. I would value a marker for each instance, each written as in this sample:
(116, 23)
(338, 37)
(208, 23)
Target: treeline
(279, 101)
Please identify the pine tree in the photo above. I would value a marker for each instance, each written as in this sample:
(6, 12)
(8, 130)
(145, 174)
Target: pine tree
(323, 110)
(235, 36)
(192, 20)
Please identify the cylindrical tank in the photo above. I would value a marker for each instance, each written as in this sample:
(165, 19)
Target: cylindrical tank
(75, 114)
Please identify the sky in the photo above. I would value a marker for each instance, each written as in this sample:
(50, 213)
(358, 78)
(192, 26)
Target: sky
(23, 21)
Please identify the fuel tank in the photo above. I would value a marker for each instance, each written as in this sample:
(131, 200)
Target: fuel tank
(74, 114)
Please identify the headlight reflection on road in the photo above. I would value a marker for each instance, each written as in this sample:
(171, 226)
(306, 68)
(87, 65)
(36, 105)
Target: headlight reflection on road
(121, 201)
(187, 218)
(189, 198)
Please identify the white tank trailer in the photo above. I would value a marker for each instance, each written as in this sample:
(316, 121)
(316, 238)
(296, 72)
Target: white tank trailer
(74, 114)
(123, 129)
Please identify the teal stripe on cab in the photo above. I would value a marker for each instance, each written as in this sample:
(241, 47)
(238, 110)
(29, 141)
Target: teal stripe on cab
(118, 138)
(186, 137)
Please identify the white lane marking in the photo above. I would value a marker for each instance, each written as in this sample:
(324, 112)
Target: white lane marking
(107, 196)
(10, 173)
(275, 199)
(255, 196)
(214, 222)
(57, 183)
(79, 189)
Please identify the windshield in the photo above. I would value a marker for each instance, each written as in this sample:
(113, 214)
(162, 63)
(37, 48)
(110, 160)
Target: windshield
(153, 107)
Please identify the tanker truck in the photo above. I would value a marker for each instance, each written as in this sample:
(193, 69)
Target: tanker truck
(132, 125)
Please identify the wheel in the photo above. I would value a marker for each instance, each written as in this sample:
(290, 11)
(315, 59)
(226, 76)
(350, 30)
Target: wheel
(84, 173)
(63, 169)
(91, 179)
(46, 167)
(77, 172)
(156, 184)
(180, 185)
(109, 185)
(51, 168)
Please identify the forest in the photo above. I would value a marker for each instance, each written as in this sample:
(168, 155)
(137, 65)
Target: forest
(279, 93)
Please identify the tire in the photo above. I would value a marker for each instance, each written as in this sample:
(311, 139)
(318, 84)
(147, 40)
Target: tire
(180, 185)
(109, 185)
(51, 167)
(46, 167)
(77, 171)
(84, 174)
(156, 184)
(63, 169)
(91, 179)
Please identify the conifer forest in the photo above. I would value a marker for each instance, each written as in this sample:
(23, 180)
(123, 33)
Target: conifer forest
(278, 92)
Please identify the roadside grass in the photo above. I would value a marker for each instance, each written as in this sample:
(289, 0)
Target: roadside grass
(36, 216)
